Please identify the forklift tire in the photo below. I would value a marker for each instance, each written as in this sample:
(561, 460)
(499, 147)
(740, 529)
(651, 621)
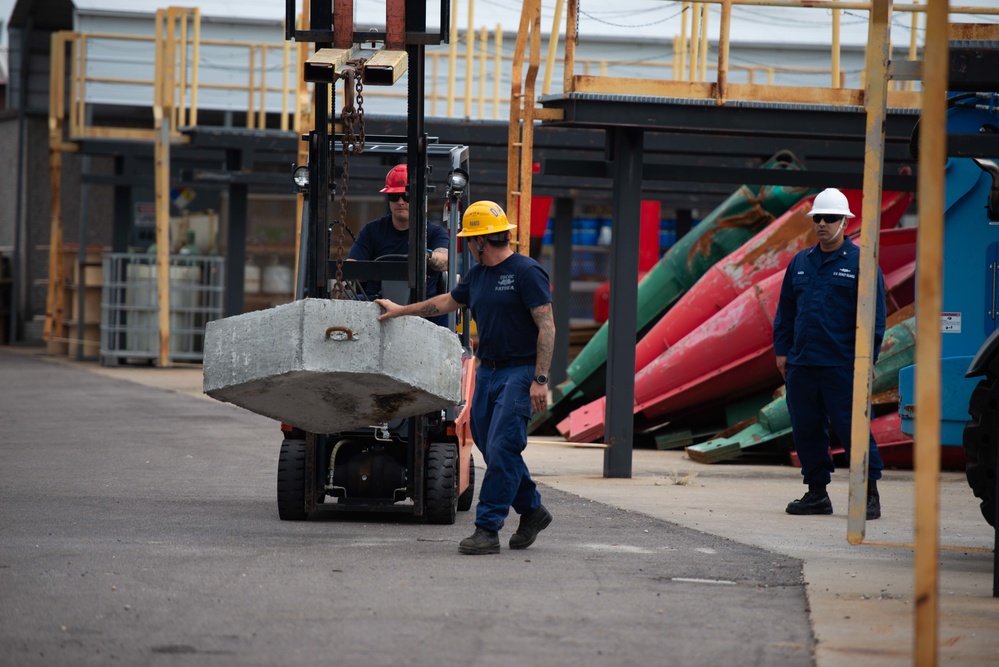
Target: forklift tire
(980, 436)
(468, 495)
(441, 483)
(291, 481)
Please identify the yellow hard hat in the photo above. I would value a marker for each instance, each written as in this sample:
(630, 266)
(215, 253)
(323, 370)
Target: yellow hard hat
(484, 217)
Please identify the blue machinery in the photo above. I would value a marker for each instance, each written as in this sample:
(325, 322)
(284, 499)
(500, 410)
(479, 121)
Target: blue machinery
(970, 294)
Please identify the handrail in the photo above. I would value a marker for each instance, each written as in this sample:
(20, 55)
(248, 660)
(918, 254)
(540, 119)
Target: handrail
(690, 66)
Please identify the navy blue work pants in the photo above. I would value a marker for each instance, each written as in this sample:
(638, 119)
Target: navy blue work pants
(819, 397)
(501, 408)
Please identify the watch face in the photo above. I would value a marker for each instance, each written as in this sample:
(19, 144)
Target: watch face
(541, 379)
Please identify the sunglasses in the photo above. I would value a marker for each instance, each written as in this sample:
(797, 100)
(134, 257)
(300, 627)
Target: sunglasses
(396, 196)
(828, 219)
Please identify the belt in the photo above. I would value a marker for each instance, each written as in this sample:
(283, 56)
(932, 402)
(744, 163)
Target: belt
(507, 363)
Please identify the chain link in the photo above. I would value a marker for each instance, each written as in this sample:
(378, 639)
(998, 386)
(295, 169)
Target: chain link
(352, 143)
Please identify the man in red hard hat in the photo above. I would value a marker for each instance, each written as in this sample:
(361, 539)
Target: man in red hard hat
(389, 235)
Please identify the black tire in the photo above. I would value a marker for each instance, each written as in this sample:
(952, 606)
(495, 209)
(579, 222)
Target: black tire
(468, 495)
(441, 497)
(980, 436)
(291, 481)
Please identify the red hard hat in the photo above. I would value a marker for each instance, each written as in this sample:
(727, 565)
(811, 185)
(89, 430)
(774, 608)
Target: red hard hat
(397, 179)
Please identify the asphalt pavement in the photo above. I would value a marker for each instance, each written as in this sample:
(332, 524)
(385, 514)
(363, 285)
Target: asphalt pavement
(138, 522)
(139, 526)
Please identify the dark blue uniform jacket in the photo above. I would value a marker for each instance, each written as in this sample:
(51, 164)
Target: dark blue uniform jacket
(817, 314)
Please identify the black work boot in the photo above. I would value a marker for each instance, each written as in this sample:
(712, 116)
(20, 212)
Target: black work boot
(531, 523)
(482, 541)
(873, 500)
(815, 501)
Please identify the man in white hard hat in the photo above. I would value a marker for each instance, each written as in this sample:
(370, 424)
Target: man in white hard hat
(814, 339)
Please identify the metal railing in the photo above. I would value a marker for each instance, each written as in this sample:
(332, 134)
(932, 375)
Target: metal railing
(173, 69)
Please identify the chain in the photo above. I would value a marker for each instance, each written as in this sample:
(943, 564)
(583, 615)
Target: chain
(359, 90)
(352, 143)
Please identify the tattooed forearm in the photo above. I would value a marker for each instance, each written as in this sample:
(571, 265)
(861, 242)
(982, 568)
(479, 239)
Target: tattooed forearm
(546, 337)
(437, 260)
(429, 309)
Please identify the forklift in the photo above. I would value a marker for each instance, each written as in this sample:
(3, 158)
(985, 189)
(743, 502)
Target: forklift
(420, 466)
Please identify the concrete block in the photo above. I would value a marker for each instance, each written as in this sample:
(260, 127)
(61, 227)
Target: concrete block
(297, 364)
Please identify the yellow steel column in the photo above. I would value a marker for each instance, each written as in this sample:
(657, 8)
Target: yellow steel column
(432, 92)
(527, 132)
(262, 91)
(835, 47)
(514, 144)
(569, 66)
(452, 59)
(469, 58)
(913, 43)
(483, 56)
(180, 115)
(250, 87)
(57, 115)
(875, 101)
(703, 64)
(195, 59)
(162, 185)
(552, 47)
(695, 40)
(497, 71)
(682, 53)
(929, 280)
(162, 113)
(723, 46)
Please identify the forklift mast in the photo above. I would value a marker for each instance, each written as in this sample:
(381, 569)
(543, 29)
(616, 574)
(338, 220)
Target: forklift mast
(371, 58)
(402, 47)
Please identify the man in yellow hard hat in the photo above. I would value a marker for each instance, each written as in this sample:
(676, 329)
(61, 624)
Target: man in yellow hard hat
(510, 297)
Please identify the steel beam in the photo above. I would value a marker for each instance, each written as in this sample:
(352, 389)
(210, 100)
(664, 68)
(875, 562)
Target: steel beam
(626, 146)
(235, 257)
(735, 118)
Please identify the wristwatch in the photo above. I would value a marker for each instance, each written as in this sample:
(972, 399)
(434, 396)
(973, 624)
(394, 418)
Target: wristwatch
(541, 379)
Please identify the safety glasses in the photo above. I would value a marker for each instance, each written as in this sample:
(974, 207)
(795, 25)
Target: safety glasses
(828, 219)
(396, 196)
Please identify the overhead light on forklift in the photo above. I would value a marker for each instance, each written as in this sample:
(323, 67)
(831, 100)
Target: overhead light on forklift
(301, 178)
(457, 180)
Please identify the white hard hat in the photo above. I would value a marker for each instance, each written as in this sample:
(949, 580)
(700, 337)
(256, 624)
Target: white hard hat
(831, 202)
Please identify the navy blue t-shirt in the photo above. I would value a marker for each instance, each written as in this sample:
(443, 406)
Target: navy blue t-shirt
(380, 237)
(501, 298)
